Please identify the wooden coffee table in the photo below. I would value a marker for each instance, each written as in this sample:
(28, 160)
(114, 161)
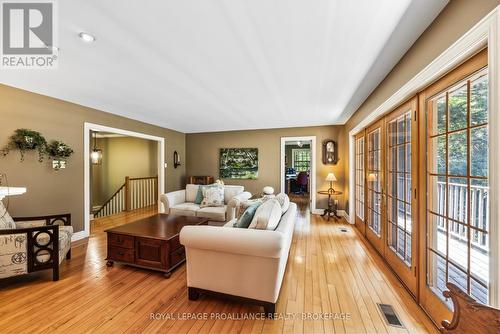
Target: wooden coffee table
(150, 243)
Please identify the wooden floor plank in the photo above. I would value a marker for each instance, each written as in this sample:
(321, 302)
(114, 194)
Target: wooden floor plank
(328, 272)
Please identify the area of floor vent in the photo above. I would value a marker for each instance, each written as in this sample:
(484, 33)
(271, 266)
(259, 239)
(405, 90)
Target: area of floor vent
(343, 230)
(390, 315)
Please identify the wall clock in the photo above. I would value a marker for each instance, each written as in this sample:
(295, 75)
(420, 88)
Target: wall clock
(330, 153)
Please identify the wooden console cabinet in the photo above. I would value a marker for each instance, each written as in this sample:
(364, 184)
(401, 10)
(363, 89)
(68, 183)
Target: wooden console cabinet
(200, 180)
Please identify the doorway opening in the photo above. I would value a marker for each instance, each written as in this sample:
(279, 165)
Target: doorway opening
(298, 170)
(131, 190)
(124, 176)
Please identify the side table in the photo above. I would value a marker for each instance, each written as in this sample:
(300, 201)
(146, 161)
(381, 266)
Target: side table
(332, 207)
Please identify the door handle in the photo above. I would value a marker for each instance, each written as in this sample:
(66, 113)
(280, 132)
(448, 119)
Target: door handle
(383, 197)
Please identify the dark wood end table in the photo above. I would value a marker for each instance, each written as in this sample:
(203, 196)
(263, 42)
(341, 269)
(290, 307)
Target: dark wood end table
(332, 206)
(150, 243)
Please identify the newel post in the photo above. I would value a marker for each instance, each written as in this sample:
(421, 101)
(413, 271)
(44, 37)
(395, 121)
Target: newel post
(127, 193)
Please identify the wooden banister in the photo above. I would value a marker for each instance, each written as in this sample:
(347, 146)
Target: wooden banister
(133, 194)
(127, 193)
(105, 205)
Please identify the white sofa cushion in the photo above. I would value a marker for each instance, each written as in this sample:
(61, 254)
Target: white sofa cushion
(217, 213)
(284, 201)
(231, 191)
(191, 191)
(6, 221)
(267, 216)
(185, 209)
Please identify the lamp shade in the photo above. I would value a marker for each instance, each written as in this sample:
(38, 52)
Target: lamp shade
(331, 177)
(372, 177)
(96, 156)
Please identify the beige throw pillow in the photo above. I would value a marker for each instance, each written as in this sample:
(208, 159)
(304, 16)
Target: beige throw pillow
(282, 199)
(267, 216)
(213, 196)
(242, 206)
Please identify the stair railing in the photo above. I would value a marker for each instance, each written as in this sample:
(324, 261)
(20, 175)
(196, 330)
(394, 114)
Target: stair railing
(134, 193)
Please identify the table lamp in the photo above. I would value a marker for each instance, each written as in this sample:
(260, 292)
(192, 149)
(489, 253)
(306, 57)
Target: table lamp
(331, 178)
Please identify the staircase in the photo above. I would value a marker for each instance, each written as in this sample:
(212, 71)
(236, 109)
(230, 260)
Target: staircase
(134, 193)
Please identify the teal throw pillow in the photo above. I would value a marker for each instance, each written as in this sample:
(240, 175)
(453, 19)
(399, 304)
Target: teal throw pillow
(247, 216)
(199, 195)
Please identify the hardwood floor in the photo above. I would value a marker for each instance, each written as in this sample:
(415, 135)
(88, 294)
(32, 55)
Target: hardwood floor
(302, 201)
(328, 271)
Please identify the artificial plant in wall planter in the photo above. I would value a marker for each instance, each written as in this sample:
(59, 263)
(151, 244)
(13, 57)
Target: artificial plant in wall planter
(58, 152)
(26, 140)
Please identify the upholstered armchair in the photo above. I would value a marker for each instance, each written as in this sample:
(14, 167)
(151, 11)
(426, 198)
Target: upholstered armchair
(33, 243)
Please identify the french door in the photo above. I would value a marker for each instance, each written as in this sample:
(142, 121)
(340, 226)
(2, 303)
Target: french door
(455, 173)
(401, 228)
(375, 150)
(426, 188)
(360, 198)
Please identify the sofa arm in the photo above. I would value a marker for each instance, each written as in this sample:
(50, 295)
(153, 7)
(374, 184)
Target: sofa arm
(34, 249)
(234, 204)
(173, 198)
(26, 222)
(260, 243)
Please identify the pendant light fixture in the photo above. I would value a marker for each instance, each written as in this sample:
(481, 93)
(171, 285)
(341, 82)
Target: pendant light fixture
(96, 154)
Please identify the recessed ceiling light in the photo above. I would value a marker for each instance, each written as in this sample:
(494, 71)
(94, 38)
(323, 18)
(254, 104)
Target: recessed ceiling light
(86, 37)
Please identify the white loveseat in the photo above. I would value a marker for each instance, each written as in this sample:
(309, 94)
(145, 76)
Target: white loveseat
(245, 263)
(181, 202)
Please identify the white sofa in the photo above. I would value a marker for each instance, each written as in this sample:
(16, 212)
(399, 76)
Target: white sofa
(245, 263)
(181, 202)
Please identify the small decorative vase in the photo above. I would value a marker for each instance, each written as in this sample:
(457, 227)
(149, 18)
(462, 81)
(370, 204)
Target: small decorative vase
(268, 190)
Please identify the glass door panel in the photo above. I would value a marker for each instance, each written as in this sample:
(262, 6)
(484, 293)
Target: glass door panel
(458, 180)
(401, 237)
(455, 173)
(374, 181)
(360, 181)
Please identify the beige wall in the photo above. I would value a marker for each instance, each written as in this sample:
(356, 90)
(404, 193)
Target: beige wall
(49, 191)
(203, 155)
(454, 21)
(122, 156)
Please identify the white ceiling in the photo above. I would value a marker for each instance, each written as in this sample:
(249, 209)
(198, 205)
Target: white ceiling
(197, 66)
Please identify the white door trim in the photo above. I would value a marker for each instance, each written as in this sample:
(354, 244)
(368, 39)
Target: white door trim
(86, 167)
(313, 165)
(485, 32)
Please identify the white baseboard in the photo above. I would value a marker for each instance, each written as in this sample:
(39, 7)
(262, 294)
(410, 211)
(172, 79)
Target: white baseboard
(317, 212)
